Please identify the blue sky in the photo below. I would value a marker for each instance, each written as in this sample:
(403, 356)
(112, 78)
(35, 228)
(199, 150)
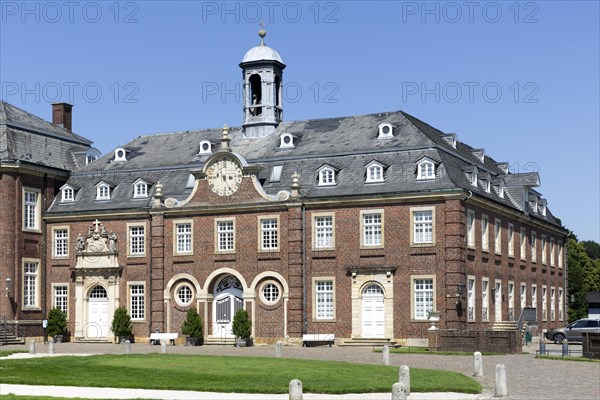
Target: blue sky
(520, 79)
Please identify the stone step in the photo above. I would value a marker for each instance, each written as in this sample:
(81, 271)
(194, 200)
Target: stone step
(217, 341)
(368, 342)
(505, 326)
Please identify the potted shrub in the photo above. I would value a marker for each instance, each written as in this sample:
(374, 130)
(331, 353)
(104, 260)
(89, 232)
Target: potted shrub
(57, 324)
(121, 325)
(241, 328)
(192, 328)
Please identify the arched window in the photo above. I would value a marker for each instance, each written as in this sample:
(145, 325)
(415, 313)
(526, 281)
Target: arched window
(425, 169)
(373, 290)
(68, 194)
(140, 189)
(326, 176)
(184, 294)
(374, 172)
(103, 192)
(255, 94)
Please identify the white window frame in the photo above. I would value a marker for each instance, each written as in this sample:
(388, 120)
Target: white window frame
(327, 176)
(269, 234)
(523, 243)
(324, 291)
(561, 300)
(544, 303)
(371, 229)
(137, 299)
(498, 236)
(270, 287)
(419, 230)
(103, 191)
(225, 235)
(32, 209)
(552, 303)
(60, 242)
(67, 195)
(534, 296)
(523, 295)
(31, 282)
(533, 246)
(136, 242)
(511, 240)
(485, 233)
(471, 229)
(425, 170)
(485, 299)
(511, 300)
(560, 254)
(471, 298)
(375, 172)
(140, 189)
(552, 250)
(176, 290)
(323, 235)
(182, 237)
(61, 300)
(544, 250)
(429, 303)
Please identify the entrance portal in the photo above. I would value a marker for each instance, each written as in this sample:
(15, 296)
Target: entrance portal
(97, 325)
(228, 300)
(373, 312)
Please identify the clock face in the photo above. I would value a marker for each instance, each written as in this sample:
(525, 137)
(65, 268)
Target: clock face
(224, 176)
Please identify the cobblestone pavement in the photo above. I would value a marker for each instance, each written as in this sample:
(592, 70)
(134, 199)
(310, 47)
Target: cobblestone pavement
(528, 377)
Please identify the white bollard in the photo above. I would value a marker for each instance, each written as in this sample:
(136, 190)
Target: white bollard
(404, 378)
(500, 389)
(399, 391)
(477, 364)
(295, 389)
(127, 347)
(163, 346)
(278, 349)
(386, 355)
(32, 346)
(51, 346)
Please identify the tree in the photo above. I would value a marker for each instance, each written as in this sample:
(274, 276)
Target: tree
(121, 323)
(592, 249)
(241, 326)
(583, 277)
(192, 326)
(57, 322)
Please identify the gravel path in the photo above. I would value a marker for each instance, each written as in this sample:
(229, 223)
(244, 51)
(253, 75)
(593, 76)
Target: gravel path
(528, 377)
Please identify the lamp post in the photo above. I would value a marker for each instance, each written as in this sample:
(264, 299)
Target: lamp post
(8, 283)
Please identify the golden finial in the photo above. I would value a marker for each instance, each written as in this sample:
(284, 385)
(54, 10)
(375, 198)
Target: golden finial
(262, 33)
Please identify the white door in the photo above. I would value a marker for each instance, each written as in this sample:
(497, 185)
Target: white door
(373, 312)
(97, 325)
(498, 301)
(228, 300)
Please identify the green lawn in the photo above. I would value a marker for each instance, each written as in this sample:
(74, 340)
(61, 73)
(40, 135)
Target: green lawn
(224, 374)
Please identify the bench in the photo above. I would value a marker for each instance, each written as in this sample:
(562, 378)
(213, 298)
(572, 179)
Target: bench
(156, 337)
(318, 337)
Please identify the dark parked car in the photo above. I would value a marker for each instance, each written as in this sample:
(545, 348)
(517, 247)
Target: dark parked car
(573, 331)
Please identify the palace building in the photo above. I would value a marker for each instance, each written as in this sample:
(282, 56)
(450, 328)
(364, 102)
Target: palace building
(356, 226)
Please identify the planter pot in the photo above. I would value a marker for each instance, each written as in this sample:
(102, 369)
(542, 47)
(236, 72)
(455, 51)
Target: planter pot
(58, 338)
(240, 342)
(192, 341)
(122, 339)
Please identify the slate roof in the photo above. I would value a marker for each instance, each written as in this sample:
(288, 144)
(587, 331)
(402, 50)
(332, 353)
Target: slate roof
(28, 138)
(347, 144)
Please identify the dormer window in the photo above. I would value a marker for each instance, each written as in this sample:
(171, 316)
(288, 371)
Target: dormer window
(190, 182)
(205, 147)
(103, 191)
(451, 139)
(479, 153)
(68, 194)
(386, 130)
(374, 172)
(487, 185)
(276, 171)
(286, 141)
(501, 190)
(140, 189)
(473, 176)
(542, 209)
(425, 169)
(326, 176)
(120, 154)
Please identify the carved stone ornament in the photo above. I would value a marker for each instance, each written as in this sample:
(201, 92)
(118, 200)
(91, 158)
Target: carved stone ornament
(97, 240)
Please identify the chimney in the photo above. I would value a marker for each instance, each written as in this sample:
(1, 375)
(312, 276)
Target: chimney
(61, 115)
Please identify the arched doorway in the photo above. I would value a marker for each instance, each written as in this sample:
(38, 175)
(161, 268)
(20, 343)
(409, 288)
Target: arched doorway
(373, 312)
(228, 294)
(97, 324)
